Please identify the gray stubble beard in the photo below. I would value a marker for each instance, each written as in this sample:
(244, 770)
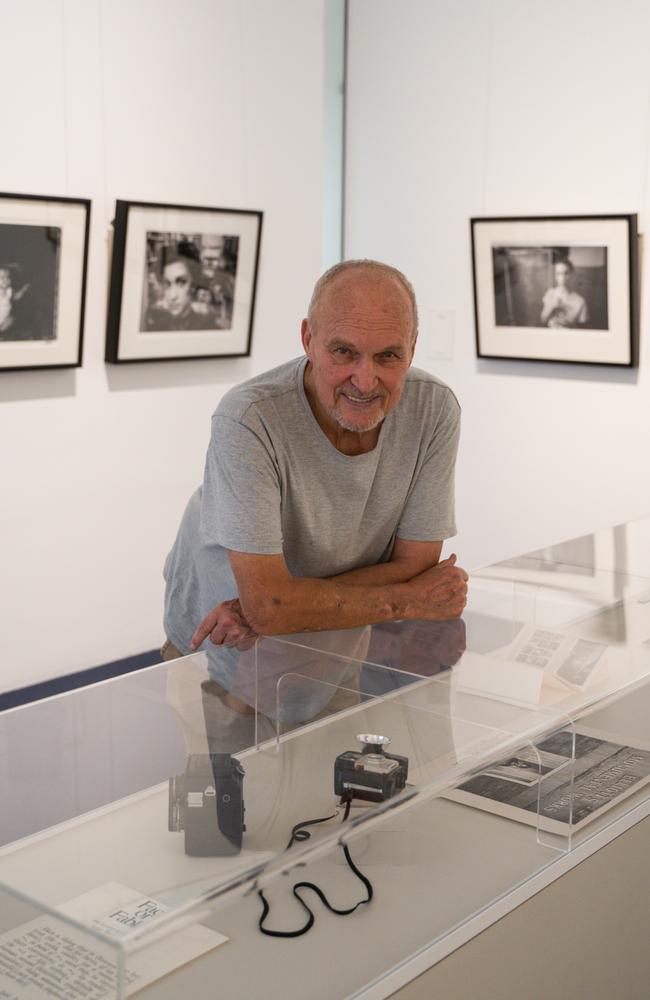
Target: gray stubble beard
(349, 427)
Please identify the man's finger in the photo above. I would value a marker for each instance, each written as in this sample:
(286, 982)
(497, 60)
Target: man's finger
(215, 618)
(218, 635)
(204, 628)
(232, 636)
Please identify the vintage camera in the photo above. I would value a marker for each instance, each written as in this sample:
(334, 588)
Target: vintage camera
(207, 802)
(370, 773)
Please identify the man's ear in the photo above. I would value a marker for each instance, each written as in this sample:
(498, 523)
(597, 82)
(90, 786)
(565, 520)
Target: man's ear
(306, 336)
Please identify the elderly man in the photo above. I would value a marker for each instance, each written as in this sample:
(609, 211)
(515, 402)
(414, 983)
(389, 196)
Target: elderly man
(328, 485)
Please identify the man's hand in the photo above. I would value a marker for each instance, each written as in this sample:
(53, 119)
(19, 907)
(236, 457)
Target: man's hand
(226, 626)
(439, 593)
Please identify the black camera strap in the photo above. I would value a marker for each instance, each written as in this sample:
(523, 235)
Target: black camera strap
(299, 833)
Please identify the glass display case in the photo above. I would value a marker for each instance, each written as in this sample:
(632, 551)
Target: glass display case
(196, 826)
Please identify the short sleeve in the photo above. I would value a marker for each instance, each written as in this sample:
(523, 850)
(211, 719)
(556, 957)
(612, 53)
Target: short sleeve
(429, 513)
(241, 497)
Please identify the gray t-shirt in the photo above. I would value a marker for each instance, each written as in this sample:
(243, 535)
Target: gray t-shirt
(274, 483)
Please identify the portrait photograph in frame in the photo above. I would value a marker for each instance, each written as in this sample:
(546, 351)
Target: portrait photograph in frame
(557, 288)
(43, 258)
(183, 282)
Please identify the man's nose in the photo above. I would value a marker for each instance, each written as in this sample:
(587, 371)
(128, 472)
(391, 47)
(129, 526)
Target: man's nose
(364, 377)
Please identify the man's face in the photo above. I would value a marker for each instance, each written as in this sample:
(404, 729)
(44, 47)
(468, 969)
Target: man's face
(177, 287)
(211, 259)
(360, 351)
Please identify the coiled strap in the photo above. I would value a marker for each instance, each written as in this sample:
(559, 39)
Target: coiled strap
(299, 833)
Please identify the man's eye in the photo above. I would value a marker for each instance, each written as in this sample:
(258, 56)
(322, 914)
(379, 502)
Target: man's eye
(341, 350)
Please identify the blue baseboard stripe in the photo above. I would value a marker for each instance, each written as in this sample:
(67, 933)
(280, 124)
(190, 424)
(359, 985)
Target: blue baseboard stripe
(58, 685)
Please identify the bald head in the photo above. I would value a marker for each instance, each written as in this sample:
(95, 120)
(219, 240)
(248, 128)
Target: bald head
(344, 285)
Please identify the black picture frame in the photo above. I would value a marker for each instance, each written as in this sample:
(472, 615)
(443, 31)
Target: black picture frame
(562, 288)
(183, 282)
(43, 265)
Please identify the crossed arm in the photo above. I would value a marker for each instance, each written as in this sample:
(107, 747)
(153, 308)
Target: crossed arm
(412, 585)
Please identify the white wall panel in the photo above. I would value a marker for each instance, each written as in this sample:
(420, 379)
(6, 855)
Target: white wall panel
(208, 103)
(506, 108)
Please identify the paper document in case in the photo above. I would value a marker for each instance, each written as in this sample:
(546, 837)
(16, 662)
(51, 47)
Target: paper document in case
(567, 660)
(569, 794)
(47, 959)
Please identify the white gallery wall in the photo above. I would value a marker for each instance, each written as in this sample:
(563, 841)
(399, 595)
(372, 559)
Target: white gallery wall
(206, 103)
(460, 108)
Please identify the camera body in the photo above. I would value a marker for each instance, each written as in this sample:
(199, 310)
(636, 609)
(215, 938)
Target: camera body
(371, 773)
(207, 802)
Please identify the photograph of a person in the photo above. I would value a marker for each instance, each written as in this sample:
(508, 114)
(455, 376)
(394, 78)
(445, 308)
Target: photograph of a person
(29, 275)
(183, 282)
(559, 287)
(189, 281)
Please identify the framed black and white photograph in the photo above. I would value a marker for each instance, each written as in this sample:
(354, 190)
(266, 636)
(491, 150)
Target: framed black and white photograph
(183, 282)
(43, 255)
(561, 288)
